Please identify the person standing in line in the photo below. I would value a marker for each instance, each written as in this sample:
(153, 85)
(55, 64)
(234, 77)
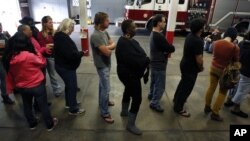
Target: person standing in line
(191, 64)
(45, 37)
(4, 37)
(131, 64)
(24, 65)
(159, 50)
(30, 22)
(224, 51)
(43, 50)
(67, 60)
(102, 46)
(244, 83)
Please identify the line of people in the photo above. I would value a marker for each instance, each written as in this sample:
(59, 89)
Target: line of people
(33, 51)
(132, 62)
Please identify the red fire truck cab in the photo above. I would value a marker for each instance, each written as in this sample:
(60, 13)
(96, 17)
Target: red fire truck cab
(222, 13)
(142, 11)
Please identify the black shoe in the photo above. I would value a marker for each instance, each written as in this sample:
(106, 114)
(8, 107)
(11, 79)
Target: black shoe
(58, 94)
(207, 109)
(240, 114)
(7, 100)
(157, 108)
(229, 103)
(34, 125)
(216, 117)
(150, 97)
(78, 89)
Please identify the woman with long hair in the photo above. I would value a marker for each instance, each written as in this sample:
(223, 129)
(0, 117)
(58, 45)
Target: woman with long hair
(45, 38)
(23, 66)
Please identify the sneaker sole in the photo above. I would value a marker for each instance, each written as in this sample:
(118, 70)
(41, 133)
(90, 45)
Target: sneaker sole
(55, 120)
(76, 114)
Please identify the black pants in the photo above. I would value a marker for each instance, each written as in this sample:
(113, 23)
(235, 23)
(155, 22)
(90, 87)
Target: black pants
(132, 89)
(183, 90)
(70, 80)
(39, 93)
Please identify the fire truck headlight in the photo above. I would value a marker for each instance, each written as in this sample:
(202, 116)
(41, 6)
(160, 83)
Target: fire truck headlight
(145, 15)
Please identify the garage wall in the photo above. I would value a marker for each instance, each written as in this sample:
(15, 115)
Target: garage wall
(10, 15)
(74, 10)
(115, 8)
(57, 9)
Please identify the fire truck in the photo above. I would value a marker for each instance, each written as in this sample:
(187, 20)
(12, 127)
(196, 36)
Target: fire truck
(218, 13)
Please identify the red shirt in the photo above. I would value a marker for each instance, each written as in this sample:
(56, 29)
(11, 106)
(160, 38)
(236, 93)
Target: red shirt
(25, 71)
(44, 40)
(223, 51)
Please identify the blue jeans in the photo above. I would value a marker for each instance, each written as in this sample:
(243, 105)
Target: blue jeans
(232, 92)
(157, 86)
(243, 89)
(39, 92)
(52, 74)
(2, 79)
(104, 89)
(207, 45)
(70, 81)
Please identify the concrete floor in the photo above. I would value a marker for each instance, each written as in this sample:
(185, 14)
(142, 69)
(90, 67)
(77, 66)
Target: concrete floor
(158, 127)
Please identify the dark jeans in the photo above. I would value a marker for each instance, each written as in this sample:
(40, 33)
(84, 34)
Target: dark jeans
(2, 79)
(70, 81)
(39, 93)
(183, 90)
(157, 86)
(132, 89)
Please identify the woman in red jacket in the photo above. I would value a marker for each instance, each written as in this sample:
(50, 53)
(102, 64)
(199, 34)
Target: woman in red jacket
(45, 38)
(23, 66)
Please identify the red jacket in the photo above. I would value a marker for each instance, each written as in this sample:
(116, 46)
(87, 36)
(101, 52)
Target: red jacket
(42, 49)
(25, 71)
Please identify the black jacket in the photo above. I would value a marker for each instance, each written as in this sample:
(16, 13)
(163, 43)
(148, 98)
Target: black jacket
(131, 58)
(245, 58)
(66, 52)
(159, 48)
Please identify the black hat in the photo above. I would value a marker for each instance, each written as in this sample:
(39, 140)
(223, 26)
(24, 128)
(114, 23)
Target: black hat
(27, 20)
(231, 32)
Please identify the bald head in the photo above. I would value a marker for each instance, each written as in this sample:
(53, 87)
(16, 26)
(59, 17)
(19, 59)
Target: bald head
(25, 29)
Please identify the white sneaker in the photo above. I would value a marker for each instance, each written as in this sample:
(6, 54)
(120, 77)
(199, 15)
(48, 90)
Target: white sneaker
(79, 112)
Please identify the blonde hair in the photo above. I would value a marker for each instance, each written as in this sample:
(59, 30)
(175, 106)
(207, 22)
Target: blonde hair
(45, 32)
(65, 25)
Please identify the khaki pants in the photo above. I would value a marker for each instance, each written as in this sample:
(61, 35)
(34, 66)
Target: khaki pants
(214, 79)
